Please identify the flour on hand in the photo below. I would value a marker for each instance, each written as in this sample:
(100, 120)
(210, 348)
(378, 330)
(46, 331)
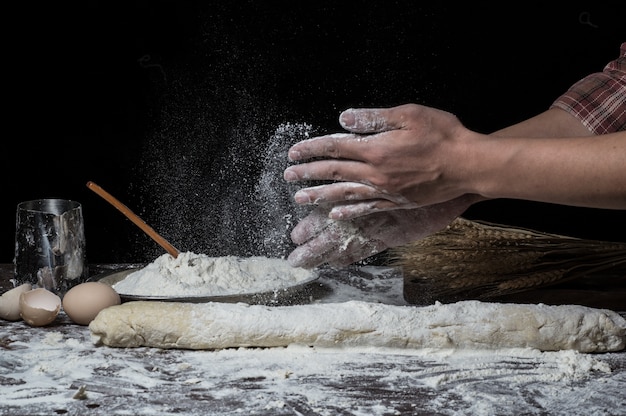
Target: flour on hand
(192, 274)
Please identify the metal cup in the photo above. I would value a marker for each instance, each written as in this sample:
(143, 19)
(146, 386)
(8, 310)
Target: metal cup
(50, 244)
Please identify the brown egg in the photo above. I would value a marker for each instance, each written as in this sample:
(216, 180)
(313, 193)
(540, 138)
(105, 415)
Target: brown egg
(39, 307)
(83, 302)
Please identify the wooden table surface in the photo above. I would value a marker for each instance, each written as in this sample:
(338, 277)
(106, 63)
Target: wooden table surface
(57, 370)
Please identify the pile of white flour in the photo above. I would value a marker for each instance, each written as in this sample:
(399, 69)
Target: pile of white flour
(191, 274)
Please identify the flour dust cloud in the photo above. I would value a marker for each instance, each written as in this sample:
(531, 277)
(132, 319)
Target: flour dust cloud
(221, 199)
(277, 211)
(210, 174)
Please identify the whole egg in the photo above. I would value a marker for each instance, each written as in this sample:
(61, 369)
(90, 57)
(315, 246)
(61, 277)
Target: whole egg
(83, 302)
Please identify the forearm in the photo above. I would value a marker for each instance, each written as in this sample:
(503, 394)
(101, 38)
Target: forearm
(578, 171)
(551, 123)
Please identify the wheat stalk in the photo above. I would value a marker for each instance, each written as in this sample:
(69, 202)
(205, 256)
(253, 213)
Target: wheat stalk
(478, 260)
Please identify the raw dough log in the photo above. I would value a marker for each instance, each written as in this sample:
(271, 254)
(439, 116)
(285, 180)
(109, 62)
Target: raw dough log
(465, 324)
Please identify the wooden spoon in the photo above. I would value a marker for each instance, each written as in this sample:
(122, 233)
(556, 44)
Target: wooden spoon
(134, 218)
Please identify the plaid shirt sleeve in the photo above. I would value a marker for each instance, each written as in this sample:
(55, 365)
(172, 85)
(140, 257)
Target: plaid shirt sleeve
(599, 99)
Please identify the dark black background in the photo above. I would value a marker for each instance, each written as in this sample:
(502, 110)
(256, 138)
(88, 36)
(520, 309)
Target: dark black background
(126, 94)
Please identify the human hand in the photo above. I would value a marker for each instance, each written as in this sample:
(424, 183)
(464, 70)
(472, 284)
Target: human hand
(343, 242)
(413, 159)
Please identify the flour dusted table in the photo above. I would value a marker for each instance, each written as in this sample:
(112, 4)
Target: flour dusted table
(56, 370)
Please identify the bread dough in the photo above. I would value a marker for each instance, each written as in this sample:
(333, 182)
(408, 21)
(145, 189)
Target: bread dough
(465, 324)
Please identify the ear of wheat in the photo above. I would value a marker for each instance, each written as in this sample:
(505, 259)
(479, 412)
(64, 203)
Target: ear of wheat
(479, 260)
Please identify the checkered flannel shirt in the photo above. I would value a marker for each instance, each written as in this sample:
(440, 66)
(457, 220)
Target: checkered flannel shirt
(599, 99)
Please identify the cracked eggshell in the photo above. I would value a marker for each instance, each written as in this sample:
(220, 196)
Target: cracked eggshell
(39, 307)
(10, 302)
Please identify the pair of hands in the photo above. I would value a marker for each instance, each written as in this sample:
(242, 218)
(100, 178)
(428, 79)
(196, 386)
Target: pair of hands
(393, 182)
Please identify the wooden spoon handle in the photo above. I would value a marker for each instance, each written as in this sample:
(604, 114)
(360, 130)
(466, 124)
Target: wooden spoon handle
(134, 218)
